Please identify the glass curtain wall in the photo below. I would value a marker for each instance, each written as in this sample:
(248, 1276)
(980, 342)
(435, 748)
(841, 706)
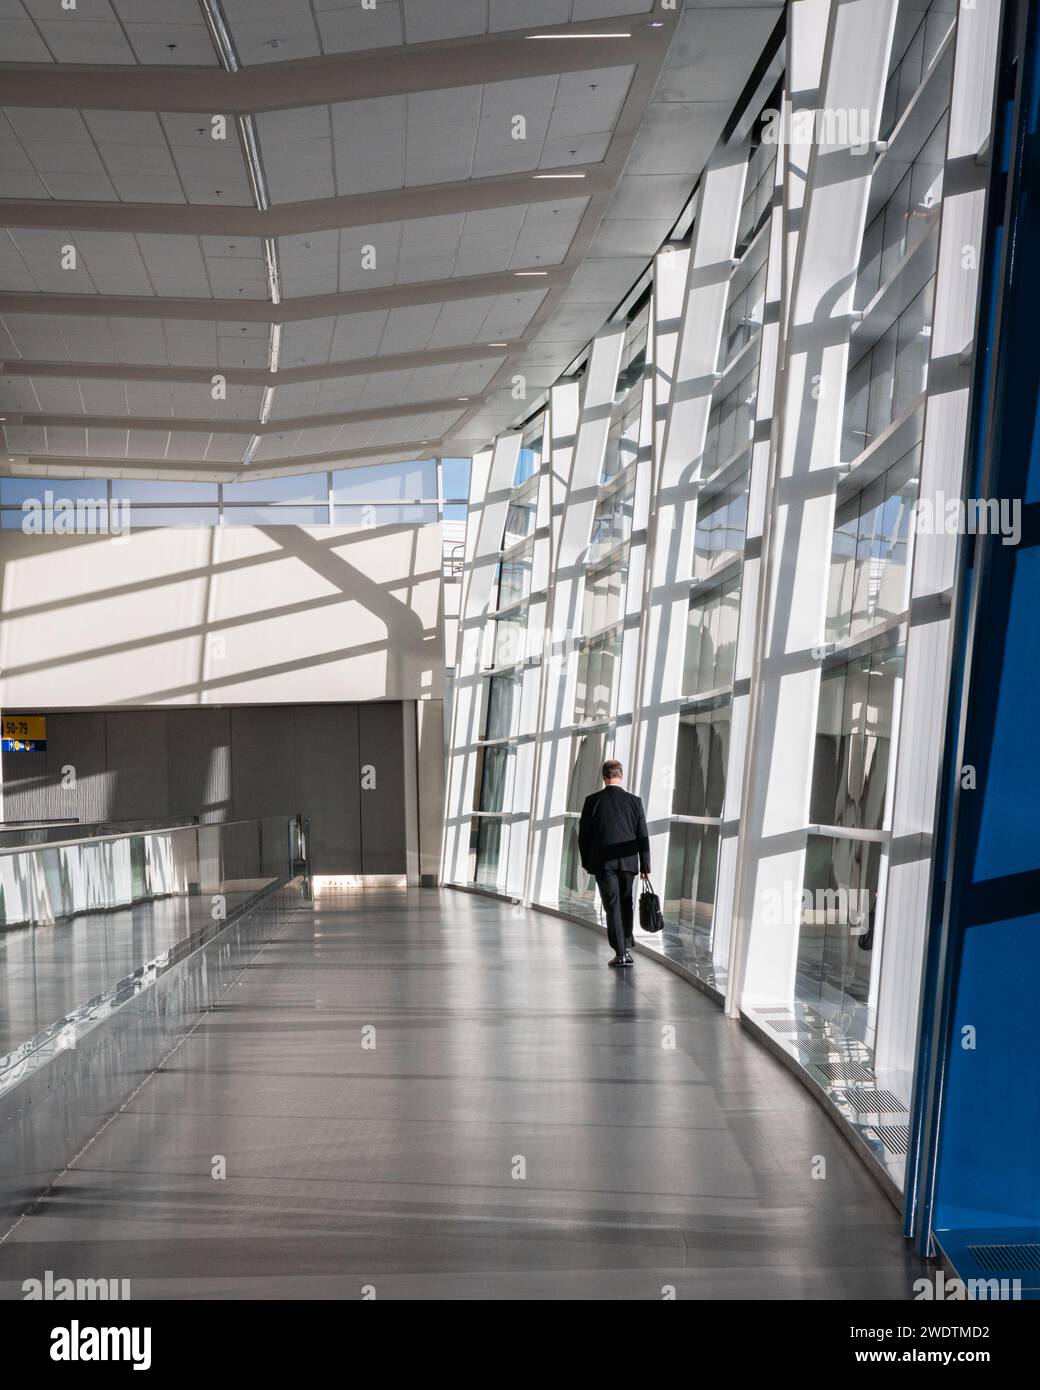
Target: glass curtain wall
(839, 689)
(871, 550)
(390, 494)
(717, 564)
(505, 658)
(600, 643)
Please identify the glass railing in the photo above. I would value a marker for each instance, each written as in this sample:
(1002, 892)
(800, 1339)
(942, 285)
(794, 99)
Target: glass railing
(87, 923)
(22, 834)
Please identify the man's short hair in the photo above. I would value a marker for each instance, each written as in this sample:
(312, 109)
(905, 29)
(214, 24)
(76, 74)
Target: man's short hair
(611, 769)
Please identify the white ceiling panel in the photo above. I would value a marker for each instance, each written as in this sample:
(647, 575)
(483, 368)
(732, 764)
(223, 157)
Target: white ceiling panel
(128, 156)
(425, 249)
(347, 149)
(441, 136)
(122, 263)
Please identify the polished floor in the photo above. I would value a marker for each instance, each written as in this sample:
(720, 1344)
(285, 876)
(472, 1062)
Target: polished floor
(431, 1094)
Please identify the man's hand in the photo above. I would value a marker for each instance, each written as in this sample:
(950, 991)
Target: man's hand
(646, 875)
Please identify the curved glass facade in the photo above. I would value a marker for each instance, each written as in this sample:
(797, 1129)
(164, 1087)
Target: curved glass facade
(740, 585)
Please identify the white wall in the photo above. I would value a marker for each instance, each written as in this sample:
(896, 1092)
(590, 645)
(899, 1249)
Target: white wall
(230, 615)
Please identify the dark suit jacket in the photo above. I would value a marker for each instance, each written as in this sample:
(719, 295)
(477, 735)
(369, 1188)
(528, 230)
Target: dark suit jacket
(612, 832)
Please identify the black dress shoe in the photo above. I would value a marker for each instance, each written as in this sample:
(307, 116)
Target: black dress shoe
(618, 960)
(627, 959)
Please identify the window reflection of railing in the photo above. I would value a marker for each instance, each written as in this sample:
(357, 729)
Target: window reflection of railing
(454, 562)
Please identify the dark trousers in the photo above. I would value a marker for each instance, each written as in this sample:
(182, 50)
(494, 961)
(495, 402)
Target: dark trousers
(615, 891)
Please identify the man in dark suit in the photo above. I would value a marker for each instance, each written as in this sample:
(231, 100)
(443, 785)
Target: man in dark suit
(614, 846)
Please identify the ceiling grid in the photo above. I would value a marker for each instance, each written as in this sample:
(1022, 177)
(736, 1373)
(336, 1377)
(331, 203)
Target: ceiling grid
(370, 222)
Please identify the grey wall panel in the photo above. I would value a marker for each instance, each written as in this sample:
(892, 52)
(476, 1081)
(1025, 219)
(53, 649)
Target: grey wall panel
(137, 764)
(327, 786)
(383, 840)
(242, 763)
(33, 788)
(199, 755)
(262, 758)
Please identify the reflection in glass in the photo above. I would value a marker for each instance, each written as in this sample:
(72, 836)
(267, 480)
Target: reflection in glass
(871, 550)
(836, 922)
(633, 353)
(604, 597)
(485, 847)
(721, 527)
(853, 740)
(577, 888)
(597, 670)
(520, 516)
(888, 378)
(915, 46)
(711, 639)
(503, 704)
(510, 638)
(612, 522)
(758, 191)
(492, 771)
(731, 424)
(700, 763)
(622, 446)
(690, 878)
(514, 576)
(744, 316)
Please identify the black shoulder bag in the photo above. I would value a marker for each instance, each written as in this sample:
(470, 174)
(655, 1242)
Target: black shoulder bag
(650, 916)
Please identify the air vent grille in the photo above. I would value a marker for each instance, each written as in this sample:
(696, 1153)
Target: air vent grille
(1005, 1259)
(846, 1071)
(869, 1102)
(896, 1138)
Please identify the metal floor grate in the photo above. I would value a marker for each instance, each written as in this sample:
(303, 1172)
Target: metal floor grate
(824, 1051)
(789, 1025)
(1005, 1259)
(845, 1071)
(896, 1138)
(866, 1101)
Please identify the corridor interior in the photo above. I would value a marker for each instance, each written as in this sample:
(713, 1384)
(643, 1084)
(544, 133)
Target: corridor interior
(431, 1094)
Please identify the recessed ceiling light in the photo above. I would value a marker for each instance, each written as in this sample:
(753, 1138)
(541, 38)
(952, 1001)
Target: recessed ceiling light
(579, 36)
(530, 272)
(558, 176)
(498, 344)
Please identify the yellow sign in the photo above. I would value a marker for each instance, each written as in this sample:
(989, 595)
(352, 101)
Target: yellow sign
(24, 733)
